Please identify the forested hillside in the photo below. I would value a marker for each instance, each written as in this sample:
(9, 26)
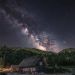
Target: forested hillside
(10, 56)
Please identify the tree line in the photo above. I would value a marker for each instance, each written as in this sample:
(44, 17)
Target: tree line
(13, 56)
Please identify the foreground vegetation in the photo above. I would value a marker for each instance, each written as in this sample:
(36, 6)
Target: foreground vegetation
(13, 56)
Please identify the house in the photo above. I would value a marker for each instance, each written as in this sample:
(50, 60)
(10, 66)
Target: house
(33, 64)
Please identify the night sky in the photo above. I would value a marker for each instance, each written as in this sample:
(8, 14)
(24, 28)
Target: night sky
(55, 18)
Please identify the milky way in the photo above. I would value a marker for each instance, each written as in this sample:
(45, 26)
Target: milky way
(29, 28)
(42, 41)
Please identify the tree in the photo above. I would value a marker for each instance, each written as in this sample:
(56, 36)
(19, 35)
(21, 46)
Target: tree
(1, 62)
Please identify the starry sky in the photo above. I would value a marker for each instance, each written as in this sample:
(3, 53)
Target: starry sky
(56, 18)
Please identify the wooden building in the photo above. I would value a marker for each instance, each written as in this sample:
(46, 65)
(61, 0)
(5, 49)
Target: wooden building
(33, 64)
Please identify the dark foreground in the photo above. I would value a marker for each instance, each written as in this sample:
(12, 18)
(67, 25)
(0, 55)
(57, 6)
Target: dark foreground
(36, 74)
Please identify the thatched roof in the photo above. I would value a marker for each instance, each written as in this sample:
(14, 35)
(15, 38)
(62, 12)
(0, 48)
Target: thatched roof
(28, 62)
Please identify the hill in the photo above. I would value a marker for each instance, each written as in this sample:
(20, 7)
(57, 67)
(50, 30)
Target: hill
(68, 50)
(9, 56)
(16, 55)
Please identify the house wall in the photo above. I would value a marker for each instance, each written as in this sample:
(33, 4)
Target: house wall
(27, 69)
